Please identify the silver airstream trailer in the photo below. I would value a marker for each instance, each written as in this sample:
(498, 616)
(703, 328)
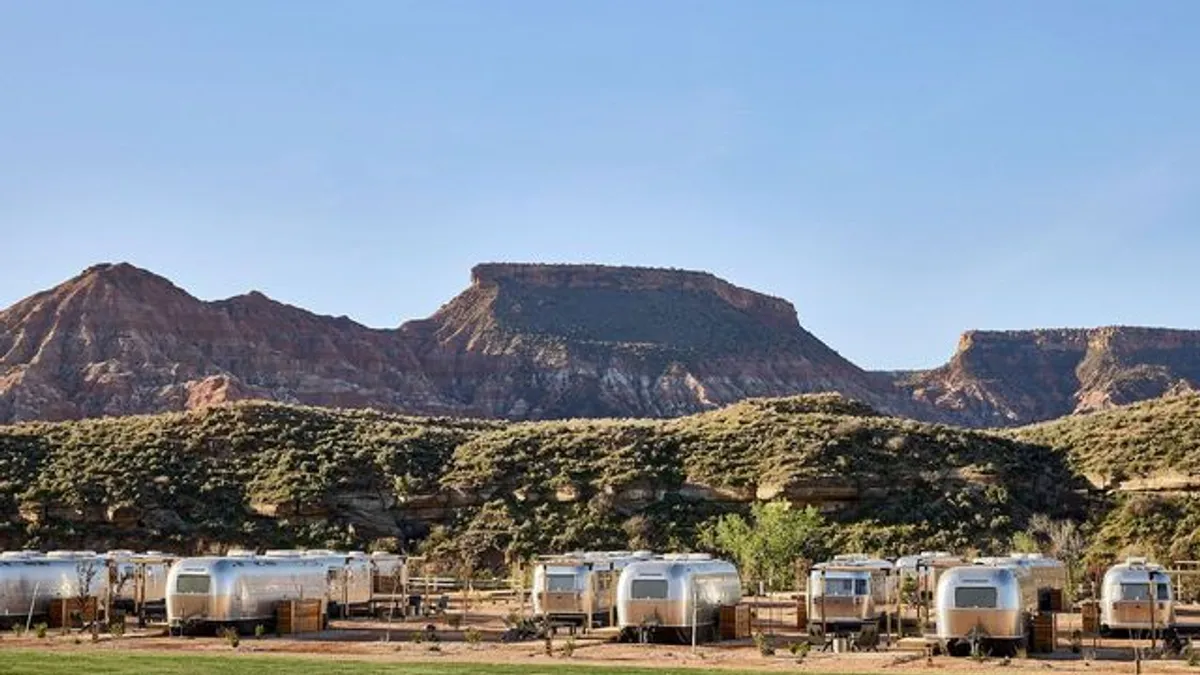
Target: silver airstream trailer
(580, 587)
(349, 578)
(925, 568)
(984, 605)
(852, 593)
(1136, 597)
(1049, 576)
(669, 596)
(241, 590)
(390, 573)
(30, 581)
(137, 582)
(917, 577)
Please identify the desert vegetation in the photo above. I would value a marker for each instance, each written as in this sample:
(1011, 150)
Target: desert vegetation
(259, 474)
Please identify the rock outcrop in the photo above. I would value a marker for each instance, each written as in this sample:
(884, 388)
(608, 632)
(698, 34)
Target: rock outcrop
(118, 340)
(1019, 377)
(528, 341)
(522, 342)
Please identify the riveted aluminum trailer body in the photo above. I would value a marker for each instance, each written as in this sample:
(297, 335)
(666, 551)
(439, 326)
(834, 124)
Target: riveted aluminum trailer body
(989, 603)
(1137, 595)
(849, 594)
(675, 593)
(31, 581)
(580, 587)
(240, 589)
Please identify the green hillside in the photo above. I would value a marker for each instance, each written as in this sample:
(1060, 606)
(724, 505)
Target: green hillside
(258, 474)
(1142, 439)
(1159, 438)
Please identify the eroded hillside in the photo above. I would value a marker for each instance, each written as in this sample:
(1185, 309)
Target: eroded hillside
(266, 474)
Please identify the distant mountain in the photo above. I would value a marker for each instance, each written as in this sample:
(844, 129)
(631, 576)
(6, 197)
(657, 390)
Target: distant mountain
(1019, 377)
(530, 341)
(522, 342)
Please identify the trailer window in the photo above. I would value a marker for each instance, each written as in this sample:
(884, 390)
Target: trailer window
(979, 597)
(1164, 592)
(1135, 592)
(192, 584)
(844, 588)
(560, 583)
(648, 589)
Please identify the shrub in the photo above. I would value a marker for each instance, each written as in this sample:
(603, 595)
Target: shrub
(117, 629)
(417, 637)
(765, 646)
(568, 647)
(473, 636)
(799, 649)
(40, 630)
(232, 637)
(259, 631)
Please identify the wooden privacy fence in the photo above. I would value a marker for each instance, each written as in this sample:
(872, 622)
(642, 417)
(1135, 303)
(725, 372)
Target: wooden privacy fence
(1044, 633)
(70, 613)
(734, 622)
(1091, 617)
(299, 616)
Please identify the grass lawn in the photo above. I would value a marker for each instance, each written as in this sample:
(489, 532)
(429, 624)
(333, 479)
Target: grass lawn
(35, 662)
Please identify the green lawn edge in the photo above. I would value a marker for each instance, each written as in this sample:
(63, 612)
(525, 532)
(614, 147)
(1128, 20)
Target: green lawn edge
(20, 661)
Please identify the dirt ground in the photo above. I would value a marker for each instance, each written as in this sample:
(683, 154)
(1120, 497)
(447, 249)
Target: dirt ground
(375, 640)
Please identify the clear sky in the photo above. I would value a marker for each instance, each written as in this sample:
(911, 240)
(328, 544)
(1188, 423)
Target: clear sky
(900, 170)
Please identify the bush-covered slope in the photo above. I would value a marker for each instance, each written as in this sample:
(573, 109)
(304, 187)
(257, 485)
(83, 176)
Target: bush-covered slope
(266, 474)
(1148, 455)
(890, 484)
(252, 473)
(1144, 439)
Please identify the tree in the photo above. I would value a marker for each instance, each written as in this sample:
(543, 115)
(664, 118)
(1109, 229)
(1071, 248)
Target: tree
(1024, 542)
(766, 546)
(1060, 539)
(86, 571)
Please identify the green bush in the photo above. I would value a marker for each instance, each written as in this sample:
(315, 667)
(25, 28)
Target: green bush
(765, 645)
(270, 475)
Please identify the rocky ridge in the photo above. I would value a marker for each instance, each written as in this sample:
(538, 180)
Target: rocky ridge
(1009, 378)
(522, 342)
(532, 341)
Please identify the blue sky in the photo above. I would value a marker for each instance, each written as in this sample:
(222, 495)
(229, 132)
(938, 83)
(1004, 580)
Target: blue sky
(900, 171)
